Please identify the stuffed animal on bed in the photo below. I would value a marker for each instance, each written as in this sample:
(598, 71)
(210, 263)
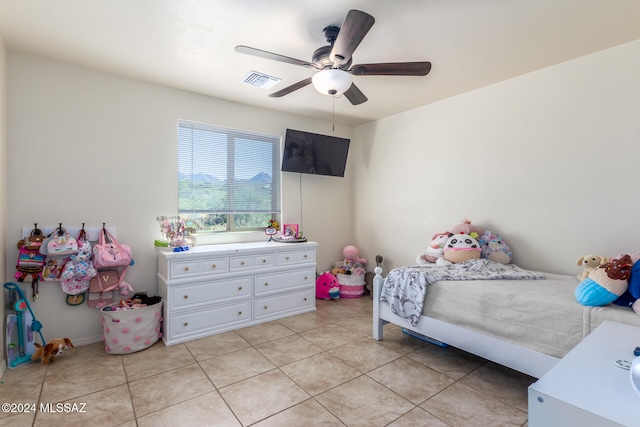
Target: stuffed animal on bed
(435, 249)
(631, 297)
(466, 227)
(494, 248)
(460, 248)
(589, 262)
(606, 283)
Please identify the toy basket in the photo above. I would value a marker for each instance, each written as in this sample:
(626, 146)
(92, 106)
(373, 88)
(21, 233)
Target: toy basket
(131, 330)
(351, 285)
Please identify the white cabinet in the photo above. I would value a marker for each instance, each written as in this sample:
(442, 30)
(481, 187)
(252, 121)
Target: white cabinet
(218, 288)
(586, 388)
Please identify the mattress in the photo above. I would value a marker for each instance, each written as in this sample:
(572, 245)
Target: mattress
(542, 315)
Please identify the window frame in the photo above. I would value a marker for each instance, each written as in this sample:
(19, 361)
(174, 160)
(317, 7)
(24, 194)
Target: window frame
(234, 139)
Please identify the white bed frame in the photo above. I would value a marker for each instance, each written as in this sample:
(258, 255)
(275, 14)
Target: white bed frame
(502, 352)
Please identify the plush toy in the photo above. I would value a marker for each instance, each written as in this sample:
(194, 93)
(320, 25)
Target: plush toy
(589, 262)
(351, 264)
(51, 350)
(466, 227)
(327, 286)
(494, 248)
(435, 249)
(606, 283)
(459, 248)
(631, 297)
(77, 272)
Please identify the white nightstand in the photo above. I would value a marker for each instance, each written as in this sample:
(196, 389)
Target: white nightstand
(586, 388)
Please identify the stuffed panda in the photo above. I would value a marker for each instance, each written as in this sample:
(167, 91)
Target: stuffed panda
(460, 247)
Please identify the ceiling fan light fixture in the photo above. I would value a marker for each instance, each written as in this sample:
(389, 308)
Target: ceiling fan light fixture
(331, 81)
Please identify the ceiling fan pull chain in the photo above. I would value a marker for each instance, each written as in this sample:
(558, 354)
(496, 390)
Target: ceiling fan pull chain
(334, 112)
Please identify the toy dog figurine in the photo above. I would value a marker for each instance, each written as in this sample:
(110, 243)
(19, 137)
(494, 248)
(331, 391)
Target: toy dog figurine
(51, 350)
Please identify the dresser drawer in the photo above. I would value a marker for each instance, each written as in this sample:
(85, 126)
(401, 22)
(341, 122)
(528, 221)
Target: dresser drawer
(276, 306)
(296, 257)
(209, 292)
(239, 263)
(182, 325)
(275, 282)
(195, 267)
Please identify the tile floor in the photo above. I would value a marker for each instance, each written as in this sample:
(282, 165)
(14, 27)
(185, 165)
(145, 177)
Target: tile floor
(319, 368)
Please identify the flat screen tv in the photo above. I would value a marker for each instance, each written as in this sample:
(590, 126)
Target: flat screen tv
(312, 153)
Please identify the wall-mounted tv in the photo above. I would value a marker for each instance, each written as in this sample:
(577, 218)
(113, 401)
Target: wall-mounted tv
(312, 153)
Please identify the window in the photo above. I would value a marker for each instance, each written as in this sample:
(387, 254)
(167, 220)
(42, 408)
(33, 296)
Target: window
(227, 179)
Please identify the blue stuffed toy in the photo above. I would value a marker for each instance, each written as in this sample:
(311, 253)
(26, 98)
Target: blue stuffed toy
(606, 283)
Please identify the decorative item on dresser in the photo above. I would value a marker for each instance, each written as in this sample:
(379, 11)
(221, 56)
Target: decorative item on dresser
(218, 288)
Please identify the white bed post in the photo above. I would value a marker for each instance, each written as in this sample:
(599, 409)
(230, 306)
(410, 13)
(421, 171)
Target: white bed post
(378, 323)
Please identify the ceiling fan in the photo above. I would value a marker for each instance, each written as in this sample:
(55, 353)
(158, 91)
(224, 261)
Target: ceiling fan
(332, 63)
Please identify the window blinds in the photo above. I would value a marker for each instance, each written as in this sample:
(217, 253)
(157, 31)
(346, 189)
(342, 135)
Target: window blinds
(227, 171)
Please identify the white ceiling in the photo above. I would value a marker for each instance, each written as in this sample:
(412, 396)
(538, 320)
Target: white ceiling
(189, 44)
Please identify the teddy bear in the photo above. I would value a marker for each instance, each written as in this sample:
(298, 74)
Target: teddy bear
(605, 283)
(51, 350)
(459, 248)
(494, 248)
(435, 249)
(589, 262)
(327, 286)
(351, 264)
(78, 271)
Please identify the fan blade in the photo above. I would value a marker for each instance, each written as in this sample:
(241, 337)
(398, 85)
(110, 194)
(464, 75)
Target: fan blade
(273, 56)
(287, 90)
(356, 25)
(355, 95)
(392, 69)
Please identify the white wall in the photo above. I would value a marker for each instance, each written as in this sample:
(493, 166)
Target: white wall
(548, 159)
(91, 147)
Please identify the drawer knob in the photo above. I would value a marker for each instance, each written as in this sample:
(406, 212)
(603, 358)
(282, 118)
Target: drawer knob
(265, 307)
(186, 324)
(305, 277)
(287, 258)
(266, 284)
(186, 269)
(186, 297)
(213, 266)
(264, 260)
(305, 298)
(239, 288)
(305, 255)
(239, 313)
(241, 262)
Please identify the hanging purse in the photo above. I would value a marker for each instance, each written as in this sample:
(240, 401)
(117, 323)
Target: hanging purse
(108, 252)
(102, 287)
(61, 244)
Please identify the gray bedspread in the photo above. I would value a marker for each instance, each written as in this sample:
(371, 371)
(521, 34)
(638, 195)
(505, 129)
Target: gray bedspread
(405, 287)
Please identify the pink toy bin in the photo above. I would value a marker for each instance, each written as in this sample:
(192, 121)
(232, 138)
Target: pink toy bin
(351, 285)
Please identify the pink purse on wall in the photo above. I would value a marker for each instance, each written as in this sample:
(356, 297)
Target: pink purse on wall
(108, 252)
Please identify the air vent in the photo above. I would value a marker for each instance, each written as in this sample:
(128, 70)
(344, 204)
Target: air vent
(260, 80)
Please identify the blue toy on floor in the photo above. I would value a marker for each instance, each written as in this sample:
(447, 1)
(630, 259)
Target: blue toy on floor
(21, 327)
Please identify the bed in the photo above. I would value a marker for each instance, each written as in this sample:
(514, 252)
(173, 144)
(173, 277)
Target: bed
(527, 322)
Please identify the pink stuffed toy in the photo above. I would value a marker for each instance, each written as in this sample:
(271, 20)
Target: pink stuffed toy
(327, 286)
(466, 227)
(351, 264)
(435, 250)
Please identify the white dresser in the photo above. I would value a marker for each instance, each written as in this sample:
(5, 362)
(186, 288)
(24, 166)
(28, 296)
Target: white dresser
(217, 288)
